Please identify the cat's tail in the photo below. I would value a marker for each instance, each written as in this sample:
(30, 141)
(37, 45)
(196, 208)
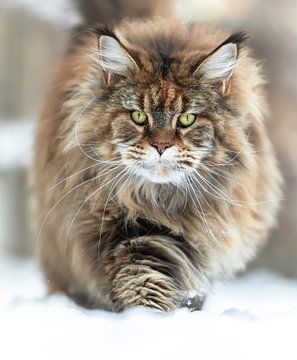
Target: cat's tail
(110, 12)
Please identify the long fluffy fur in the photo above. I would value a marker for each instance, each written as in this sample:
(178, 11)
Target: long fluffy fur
(113, 241)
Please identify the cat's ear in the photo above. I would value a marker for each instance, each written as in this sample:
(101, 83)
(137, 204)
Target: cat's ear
(114, 57)
(220, 64)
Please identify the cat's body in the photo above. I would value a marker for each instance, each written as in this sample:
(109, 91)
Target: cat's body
(150, 213)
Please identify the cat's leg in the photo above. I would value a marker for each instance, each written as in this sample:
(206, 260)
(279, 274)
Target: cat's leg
(153, 271)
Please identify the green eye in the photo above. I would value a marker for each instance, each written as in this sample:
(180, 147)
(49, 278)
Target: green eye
(186, 120)
(139, 117)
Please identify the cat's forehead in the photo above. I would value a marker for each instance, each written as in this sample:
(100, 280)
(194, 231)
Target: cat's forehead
(163, 96)
(160, 95)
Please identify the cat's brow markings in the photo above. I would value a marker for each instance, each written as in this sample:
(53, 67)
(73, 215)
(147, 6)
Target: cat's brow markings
(167, 92)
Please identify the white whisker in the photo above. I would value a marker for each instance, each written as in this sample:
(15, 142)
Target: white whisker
(82, 205)
(76, 130)
(231, 161)
(200, 206)
(219, 194)
(216, 173)
(70, 176)
(58, 202)
(65, 195)
(104, 210)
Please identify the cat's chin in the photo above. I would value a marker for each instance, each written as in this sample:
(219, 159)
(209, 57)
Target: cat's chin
(161, 175)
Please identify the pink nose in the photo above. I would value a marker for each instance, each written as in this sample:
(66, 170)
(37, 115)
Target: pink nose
(160, 146)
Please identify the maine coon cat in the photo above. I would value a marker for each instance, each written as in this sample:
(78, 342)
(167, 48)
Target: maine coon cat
(154, 173)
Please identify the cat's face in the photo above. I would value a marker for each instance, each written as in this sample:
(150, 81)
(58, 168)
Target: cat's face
(164, 129)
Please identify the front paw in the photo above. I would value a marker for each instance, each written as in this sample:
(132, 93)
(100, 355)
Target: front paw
(140, 286)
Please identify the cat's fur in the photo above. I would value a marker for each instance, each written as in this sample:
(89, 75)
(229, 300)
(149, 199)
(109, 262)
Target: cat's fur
(116, 235)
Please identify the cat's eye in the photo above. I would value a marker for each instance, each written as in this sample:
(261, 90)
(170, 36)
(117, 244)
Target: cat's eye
(139, 117)
(186, 120)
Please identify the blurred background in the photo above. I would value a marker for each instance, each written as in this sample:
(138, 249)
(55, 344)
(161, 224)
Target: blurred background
(33, 36)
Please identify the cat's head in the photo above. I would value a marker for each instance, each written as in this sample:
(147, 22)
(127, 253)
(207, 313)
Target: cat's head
(171, 106)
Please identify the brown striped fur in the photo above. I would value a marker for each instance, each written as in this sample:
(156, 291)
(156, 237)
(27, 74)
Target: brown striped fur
(120, 241)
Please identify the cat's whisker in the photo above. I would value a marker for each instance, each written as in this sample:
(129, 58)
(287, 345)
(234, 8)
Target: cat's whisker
(87, 199)
(114, 161)
(217, 193)
(207, 228)
(245, 143)
(65, 195)
(70, 176)
(211, 233)
(221, 196)
(104, 211)
(212, 164)
(231, 161)
(208, 231)
(184, 187)
(76, 130)
(80, 171)
(119, 157)
(198, 188)
(216, 173)
(107, 142)
(106, 203)
(58, 202)
(95, 152)
(100, 160)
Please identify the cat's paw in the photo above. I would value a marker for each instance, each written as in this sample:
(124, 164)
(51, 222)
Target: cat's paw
(136, 286)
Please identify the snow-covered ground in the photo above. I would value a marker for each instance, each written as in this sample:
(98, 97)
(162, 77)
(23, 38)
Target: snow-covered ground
(253, 317)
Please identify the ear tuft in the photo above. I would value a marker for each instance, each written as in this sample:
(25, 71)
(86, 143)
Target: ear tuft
(220, 64)
(114, 57)
(236, 38)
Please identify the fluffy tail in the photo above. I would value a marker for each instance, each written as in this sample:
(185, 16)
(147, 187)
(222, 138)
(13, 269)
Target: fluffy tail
(110, 12)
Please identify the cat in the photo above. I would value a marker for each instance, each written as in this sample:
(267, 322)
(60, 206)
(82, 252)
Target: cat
(153, 170)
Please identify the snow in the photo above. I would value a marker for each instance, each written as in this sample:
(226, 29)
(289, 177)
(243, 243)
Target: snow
(252, 317)
(16, 137)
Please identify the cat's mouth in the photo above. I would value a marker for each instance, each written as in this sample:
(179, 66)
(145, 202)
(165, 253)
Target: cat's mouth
(155, 168)
(161, 172)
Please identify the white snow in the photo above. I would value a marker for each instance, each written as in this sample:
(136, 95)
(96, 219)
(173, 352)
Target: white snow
(253, 317)
(16, 138)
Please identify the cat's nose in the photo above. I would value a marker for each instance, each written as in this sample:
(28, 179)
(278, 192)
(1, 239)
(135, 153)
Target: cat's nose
(160, 146)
